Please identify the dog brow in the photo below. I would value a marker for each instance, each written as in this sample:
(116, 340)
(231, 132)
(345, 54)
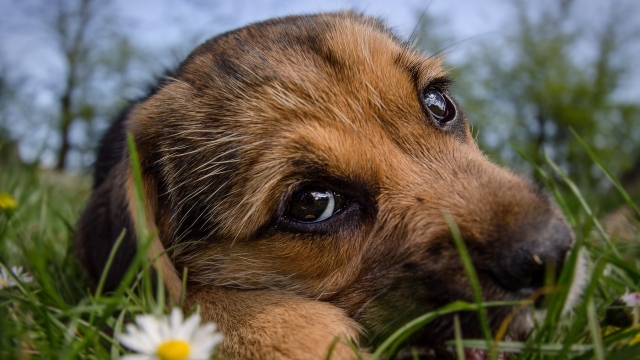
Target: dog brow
(443, 81)
(423, 71)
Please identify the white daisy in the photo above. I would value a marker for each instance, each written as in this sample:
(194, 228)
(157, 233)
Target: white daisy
(6, 280)
(170, 338)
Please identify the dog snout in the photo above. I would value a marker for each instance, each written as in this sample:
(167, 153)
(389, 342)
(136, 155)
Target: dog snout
(540, 253)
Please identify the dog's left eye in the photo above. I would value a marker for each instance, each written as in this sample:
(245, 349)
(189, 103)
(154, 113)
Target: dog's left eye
(314, 205)
(438, 105)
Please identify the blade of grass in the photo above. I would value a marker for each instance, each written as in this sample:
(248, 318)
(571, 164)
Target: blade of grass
(612, 178)
(458, 337)
(354, 348)
(520, 347)
(140, 215)
(473, 280)
(160, 305)
(112, 255)
(415, 354)
(400, 335)
(117, 330)
(583, 202)
(183, 290)
(595, 330)
(332, 347)
(144, 238)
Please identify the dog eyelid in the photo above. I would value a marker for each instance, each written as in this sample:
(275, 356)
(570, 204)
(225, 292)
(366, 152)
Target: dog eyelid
(441, 82)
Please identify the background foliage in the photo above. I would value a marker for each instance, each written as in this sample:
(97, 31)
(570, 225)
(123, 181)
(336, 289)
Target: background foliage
(528, 89)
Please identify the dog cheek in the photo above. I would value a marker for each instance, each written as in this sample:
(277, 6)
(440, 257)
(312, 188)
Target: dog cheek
(394, 307)
(398, 294)
(313, 266)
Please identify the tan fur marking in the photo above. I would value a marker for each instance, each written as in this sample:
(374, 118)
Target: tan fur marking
(266, 329)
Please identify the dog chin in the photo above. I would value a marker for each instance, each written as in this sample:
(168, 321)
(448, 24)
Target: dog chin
(518, 331)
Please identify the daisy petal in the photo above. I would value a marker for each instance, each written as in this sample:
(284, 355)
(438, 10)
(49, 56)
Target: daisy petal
(176, 318)
(149, 325)
(137, 341)
(187, 329)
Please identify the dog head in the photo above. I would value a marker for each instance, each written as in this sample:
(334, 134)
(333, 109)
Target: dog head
(320, 156)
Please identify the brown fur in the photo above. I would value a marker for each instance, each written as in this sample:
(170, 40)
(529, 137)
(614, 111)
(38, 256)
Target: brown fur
(333, 100)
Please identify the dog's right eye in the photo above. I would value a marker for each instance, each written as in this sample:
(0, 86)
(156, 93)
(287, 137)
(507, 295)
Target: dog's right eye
(314, 205)
(438, 105)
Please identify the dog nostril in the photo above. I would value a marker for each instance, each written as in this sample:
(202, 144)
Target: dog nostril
(529, 262)
(527, 272)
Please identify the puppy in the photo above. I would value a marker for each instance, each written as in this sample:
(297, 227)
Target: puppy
(301, 169)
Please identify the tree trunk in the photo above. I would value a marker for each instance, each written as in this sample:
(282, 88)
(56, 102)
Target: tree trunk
(66, 117)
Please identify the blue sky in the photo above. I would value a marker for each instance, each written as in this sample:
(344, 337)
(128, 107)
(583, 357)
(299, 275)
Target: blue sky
(162, 24)
(158, 23)
(467, 17)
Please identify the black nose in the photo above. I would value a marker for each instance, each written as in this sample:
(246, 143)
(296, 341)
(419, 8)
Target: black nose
(524, 261)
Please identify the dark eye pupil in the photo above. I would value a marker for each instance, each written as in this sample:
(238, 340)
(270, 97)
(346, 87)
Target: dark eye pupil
(315, 205)
(436, 103)
(309, 205)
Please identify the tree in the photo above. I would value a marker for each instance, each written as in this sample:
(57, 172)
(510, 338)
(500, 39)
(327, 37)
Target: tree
(8, 147)
(98, 63)
(553, 72)
(5, 94)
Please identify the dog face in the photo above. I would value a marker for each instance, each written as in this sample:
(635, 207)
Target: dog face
(318, 156)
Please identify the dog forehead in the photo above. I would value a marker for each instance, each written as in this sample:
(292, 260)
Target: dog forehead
(335, 69)
(331, 84)
(313, 58)
(264, 49)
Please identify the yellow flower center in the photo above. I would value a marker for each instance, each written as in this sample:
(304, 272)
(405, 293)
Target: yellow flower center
(173, 350)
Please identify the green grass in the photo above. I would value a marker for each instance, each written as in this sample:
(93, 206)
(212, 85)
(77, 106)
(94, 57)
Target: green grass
(60, 316)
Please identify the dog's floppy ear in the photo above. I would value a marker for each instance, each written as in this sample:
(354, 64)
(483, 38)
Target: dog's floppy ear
(110, 214)
(104, 220)
(156, 250)
(158, 223)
